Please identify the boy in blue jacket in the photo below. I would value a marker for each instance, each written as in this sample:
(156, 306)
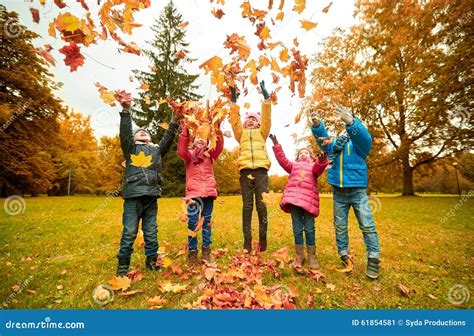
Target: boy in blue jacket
(348, 178)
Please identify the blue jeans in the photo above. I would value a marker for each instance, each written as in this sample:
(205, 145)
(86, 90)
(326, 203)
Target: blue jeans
(146, 208)
(202, 207)
(302, 221)
(343, 199)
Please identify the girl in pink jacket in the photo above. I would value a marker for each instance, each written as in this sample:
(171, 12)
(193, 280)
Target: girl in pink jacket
(201, 189)
(301, 198)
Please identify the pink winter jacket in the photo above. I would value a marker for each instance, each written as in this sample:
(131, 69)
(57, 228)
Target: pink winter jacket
(302, 187)
(200, 181)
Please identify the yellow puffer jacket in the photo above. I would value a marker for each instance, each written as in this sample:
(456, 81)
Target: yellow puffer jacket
(252, 151)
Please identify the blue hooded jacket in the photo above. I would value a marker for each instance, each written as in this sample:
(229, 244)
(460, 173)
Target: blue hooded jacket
(349, 169)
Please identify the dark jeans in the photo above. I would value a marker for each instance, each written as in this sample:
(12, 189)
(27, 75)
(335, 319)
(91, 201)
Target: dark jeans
(202, 207)
(146, 208)
(302, 221)
(251, 187)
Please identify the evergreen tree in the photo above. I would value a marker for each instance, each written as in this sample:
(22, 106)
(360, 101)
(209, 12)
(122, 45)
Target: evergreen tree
(168, 55)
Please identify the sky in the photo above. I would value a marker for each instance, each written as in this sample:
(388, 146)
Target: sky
(206, 35)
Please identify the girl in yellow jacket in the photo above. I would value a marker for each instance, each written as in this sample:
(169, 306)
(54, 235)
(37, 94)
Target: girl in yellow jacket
(253, 163)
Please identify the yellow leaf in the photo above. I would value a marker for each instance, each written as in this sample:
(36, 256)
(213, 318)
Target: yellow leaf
(265, 33)
(284, 55)
(250, 177)
(275, 66)
(156, 301)
(280, 16)
(300, 5)
(162, 101)
(167, 262)
(122, 282)
(308, 25)
(141, 160)
(169, 287)
(52, 30)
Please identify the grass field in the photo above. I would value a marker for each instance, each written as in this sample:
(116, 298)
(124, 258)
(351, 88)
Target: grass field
(64, 247)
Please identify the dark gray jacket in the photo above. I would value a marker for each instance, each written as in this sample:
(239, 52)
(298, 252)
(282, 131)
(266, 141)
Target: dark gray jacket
(143, 170)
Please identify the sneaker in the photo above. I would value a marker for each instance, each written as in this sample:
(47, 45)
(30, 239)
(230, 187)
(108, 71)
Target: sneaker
(373, 268)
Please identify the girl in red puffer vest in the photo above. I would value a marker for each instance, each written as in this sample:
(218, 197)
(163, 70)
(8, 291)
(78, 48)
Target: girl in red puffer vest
(301, 198)
(201, 189)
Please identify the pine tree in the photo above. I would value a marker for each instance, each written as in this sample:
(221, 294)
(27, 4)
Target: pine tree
(168, 55)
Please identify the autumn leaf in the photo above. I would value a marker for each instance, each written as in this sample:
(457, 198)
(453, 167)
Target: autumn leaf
(213, 64)
(144, 86)
(167, 262)
(141, 160)
(135, 275)
(123, 97)
(217, 13)
(60, 3)
(284, 57)
(35, 15)
(326, 9)
(299, 6)
(130, 293)
(164, 125)
(45, 53)
(180, 54)
(120, 282)
(183, 25)
(156, 301)
(308, 25)
(74, 58)
(280, 16)
(175, 288)
(404, 290)
(331, 287)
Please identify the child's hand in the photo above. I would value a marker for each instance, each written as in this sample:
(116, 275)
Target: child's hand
(274, 139)
(313, 114)
(325, 141)
(345, 114)
(264, 90)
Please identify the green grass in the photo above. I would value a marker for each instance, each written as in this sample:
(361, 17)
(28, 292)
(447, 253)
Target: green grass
(68, 246)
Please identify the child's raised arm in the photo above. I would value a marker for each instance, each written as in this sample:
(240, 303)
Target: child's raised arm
(126, 133)
(266, 120)
(320, 165)
(183, 141)
(286, 164)
(214, 153)
(167, 140)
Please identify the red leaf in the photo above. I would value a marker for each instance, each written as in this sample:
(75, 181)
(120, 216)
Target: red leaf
(35, 15)
(74, 58)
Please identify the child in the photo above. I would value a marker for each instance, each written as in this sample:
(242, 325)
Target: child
(253, 163)
(141, 189)
(201, 188)
(348, 177)
(301, 198)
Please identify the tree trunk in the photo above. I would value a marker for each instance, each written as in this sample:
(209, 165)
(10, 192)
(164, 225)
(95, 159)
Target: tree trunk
(408, 181)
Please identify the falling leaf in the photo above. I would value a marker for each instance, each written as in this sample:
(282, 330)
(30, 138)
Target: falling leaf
(299, 6)
(284, 57)
(35, 15)
(180, 54)
(144, 86)
(326, 9)
(164, 125)
(308, 25)
(45, 53)
(183, 25)
(217, 13)
(120, 282)
(60, 3)
(280, 16)
(74, 58)
(141, 160)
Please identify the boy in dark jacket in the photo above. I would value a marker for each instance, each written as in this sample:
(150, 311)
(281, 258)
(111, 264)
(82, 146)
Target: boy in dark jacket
(141, 188)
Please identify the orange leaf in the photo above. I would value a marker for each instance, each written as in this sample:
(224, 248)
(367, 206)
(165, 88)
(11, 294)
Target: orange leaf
(308, 25)
(217, 13)
(180, 54)
(121, 282)
(183, 25)
(35, 15)
(284, 55)
(299, 6)
(326, 9)
(280, 16)
(213, 64)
